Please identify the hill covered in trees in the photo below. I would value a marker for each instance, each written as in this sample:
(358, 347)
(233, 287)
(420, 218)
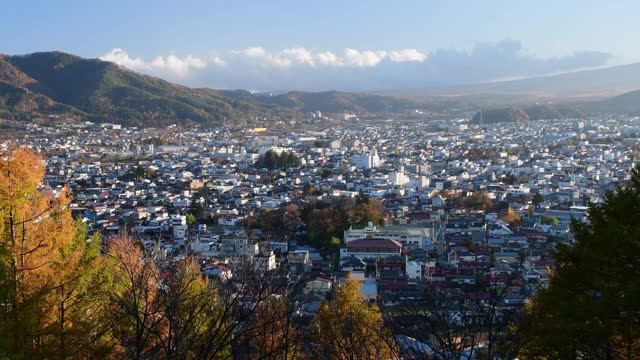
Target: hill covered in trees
(105, 92)
(625, 103)
(536, 112)
(56, 82)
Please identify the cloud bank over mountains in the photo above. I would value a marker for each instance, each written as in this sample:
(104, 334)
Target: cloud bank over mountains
(171, 65)
(301, 68)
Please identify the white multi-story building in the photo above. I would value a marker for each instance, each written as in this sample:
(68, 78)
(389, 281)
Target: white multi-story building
(399, 178)
(371, 248)
(366, 161)
(423, 183)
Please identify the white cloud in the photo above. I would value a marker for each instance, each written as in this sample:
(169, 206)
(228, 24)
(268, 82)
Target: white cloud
(366, 58)
(283, 59)
(171, 64)
(329, 58)
(321, 69)
(176, 65)
(217, 61)
(299, 55)
(407, 55)
(302, 56)
(264, 57)
(121, 57)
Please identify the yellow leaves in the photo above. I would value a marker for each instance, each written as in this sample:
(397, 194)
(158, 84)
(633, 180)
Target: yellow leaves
(36, 224)
(511, 216)
(347, 296)
(348, 326)
(37, 251)
(21, 172)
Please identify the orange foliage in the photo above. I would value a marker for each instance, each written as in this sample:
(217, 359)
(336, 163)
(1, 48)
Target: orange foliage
(39, 257)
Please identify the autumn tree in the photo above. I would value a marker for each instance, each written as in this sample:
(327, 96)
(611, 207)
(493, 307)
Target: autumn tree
(283, 222)
(291, 217)
(328, 220)
(275, 332)
(134, 300)
(512, 217)
(367, 210)
(80, 322)
(193, 312)
(191, 220)
(45, 265)
(347, 328)
(272, 221)
(478, 201)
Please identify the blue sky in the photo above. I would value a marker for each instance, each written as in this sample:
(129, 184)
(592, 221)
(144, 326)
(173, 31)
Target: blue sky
(330, 44)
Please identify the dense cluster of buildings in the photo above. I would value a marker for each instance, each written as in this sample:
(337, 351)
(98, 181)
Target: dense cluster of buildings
(466, 207)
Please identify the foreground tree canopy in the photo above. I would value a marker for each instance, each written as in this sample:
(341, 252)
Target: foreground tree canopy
(46, 265)
(591, 309)
(350, 329)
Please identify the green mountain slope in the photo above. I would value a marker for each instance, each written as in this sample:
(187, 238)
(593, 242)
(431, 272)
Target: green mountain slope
(105, 92)
(15, 98)
(108, 92)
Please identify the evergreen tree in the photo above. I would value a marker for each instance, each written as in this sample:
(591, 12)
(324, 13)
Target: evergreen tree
(592, 307)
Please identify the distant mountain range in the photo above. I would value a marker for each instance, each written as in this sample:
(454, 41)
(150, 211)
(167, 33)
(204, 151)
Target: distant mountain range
(55, 82)
(595, 82)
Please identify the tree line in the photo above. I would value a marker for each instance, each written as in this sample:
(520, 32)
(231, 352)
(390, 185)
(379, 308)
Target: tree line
(272, 160)
(324, 221)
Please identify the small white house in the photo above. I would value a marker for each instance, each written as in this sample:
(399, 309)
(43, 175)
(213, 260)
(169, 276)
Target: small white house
(414, 270)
